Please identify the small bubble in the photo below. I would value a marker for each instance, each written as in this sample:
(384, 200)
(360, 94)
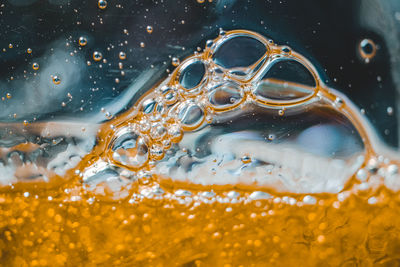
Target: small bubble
(10, 46)
(56, 79)
(142, 44)
(367, 49)
(122, 55)
(309, 200)
(102, 4)
(389, 111)
(35, 66)
(149, 29)
(286, 49)
(29, 50)
(82, 41)
(246, 159)
(97, 56)
(281, 112)
(116, 80)
(26, 194)
(362, 175)
(338, 102)
(200, 1)
(8, 95)
(175, 61)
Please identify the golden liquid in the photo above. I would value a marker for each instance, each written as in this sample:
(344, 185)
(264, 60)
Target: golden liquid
(69, 222)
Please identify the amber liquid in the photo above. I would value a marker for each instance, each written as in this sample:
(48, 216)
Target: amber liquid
(156, 220)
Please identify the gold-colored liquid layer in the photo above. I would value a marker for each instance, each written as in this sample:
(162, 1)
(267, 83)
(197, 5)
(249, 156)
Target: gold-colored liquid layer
(39, 232)
(64, 222)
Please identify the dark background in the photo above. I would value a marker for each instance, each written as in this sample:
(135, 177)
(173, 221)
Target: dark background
(327, 32)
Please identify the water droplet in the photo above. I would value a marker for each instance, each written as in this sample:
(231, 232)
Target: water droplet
(149, 29)
(82, 41)
(367, 49)
(142, 45)
(8, 95)
(102, 4)
(122, 55)
(389, 111)
(175, 61)
(56, 79)
(29, 50)
(35, 66)
(97, 56)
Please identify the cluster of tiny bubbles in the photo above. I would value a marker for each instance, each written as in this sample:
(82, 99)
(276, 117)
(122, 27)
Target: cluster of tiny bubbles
(367, 49)
(201, 88)
(102, 4)
(35, 66)
(82, 41)
(97, 56)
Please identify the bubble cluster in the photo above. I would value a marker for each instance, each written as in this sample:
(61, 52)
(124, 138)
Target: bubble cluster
(211, 85)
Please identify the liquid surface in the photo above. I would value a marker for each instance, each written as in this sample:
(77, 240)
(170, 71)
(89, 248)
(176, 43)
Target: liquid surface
(241, 156)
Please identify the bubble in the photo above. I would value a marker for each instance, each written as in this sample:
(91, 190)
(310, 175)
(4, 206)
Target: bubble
(122, 55)
(258, 195)
(29, 50)
(142, 44)
(389, 111)
(192, 75)
(130, 149)
(149, 29)
(247, 50)
(246, 159)
(367, 49)
(224, 96)
(10, 46)
(82, 41)
(200, 1)
(190, 114)
(362, 175)
(8, 95)
(310, 200)
(35, 66)
(56, 79)
(97, 56)
(175, 61)
(102, 4)
(157, 131)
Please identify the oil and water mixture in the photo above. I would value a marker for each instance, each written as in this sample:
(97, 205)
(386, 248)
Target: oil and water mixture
(241, 157)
